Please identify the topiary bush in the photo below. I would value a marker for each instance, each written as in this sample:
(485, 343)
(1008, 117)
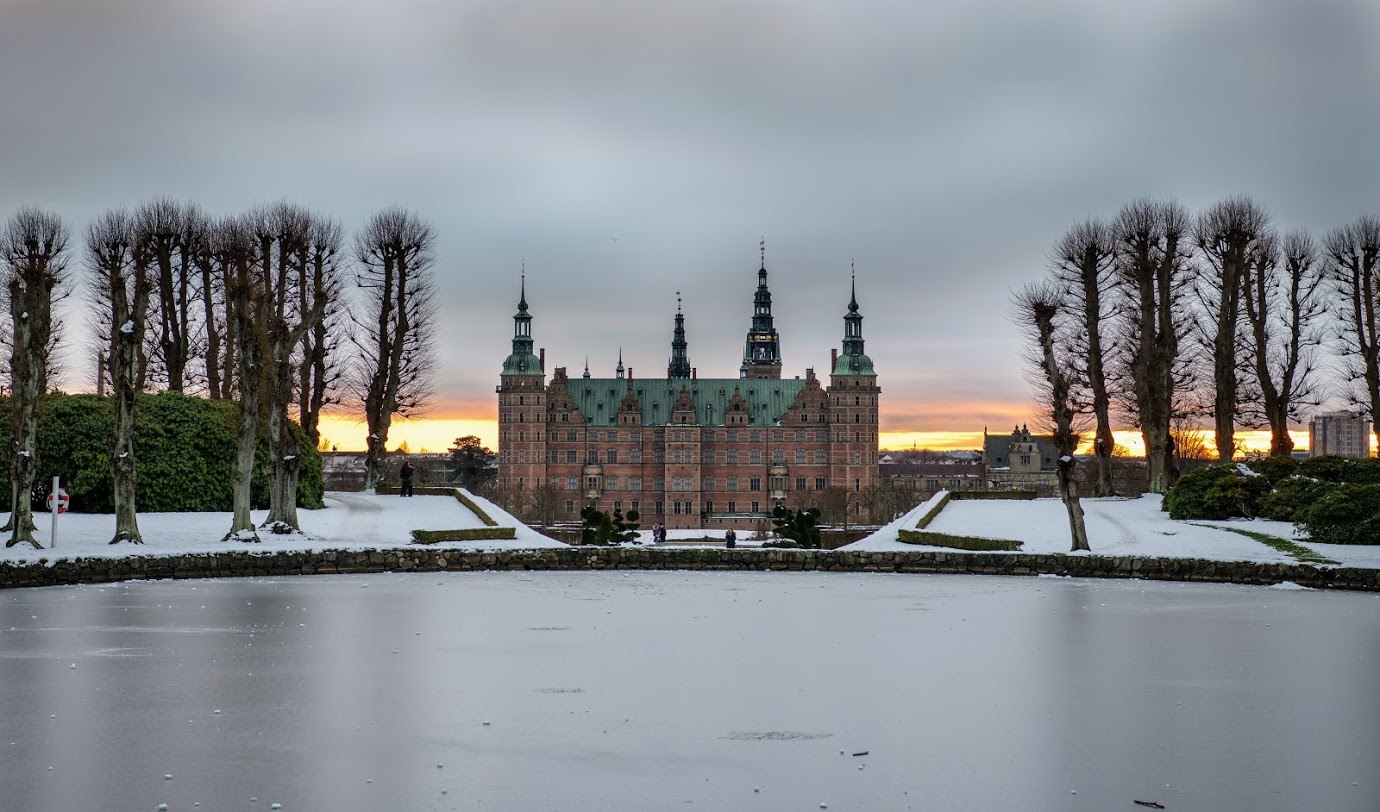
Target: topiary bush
(1348, 514)
(1274, 469)
(1216, 492)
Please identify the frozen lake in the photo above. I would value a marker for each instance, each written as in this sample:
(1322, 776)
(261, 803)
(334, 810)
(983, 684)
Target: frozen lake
(711, 691)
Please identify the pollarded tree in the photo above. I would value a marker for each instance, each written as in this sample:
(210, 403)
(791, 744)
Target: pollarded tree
(121, 277)
(283, 246)
(33, 264)
(396, 327)
(1353, 266)
(1232, 236)
(234, 251)
(1153, 278)
(1082, 263)
(1284, 303)
(175, 240)
(1042, 311)
(320, 364)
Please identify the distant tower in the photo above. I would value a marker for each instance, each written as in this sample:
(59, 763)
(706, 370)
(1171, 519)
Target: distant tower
(762, 354)
(680, 359)
(522, 406)
(853, 396)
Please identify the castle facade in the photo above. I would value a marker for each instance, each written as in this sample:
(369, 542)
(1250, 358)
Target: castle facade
(692, 452)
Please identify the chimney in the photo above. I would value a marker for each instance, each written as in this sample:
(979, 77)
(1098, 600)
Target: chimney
(833, 358)
(694, 373)
(629, 374)
(543, 360)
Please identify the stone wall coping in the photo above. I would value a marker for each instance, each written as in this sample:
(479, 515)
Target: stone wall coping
(239, 563)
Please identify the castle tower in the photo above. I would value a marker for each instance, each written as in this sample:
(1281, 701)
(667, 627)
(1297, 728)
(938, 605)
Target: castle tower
(762, 355)
(679, 367)
(522, 406)
(853, 396)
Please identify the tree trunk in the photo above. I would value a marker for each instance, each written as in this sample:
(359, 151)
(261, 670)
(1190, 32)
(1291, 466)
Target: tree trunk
(1068, 492)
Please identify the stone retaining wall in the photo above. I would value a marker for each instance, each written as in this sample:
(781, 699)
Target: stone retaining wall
(247, 563)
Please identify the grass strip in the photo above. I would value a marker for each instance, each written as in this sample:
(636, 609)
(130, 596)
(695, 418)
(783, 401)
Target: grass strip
(1297, 551)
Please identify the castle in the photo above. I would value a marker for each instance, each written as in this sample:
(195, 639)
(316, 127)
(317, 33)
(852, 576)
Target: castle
(686, 451)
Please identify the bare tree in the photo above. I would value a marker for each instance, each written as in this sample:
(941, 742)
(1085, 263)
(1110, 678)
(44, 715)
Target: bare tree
(1353, 265)
(1152, 276)
(33, 263)
(283, 239)
(121, 278)
(1041, 312)
(1284, 303)
(396, 330)
(1082, 263)
(235, 249)
(320, 370)
(164, 224)
(1231, 236)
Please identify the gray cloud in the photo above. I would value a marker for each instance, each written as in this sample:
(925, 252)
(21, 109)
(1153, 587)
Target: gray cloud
(943, 146)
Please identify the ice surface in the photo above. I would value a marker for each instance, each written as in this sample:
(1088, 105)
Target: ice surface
(673, 690)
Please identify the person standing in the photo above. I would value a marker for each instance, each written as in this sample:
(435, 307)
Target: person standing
(405, 474)
(730, 539)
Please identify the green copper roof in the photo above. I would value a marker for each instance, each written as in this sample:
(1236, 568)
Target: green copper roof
(522, 364)
(854, 365)
(767, 400)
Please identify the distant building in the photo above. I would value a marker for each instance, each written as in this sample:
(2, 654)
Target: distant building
(1339, 433)
(687, 451)
(1021, 461)
(925, 479)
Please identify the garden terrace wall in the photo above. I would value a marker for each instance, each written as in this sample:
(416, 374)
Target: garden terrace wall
(249, 563)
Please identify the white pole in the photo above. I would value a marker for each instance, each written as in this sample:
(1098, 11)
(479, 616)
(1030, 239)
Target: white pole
(52, 544)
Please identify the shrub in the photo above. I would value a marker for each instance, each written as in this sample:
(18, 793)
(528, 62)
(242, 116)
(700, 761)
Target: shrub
(1291, 496)
(1274, 469)
(1332, 468)
(800, 526)
(184, 445)
(1348, 514)
(1216, 492)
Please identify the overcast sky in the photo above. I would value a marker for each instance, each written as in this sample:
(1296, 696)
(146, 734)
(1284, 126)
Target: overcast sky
(627, 150)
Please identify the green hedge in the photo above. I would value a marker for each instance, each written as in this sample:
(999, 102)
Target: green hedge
(467, 534)
(992, 495)
(184, 446)
(934, 511)
(436, 490)
(975, 543)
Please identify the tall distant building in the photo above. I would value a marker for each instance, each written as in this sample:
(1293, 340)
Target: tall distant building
(687, 451)
(1340, 433)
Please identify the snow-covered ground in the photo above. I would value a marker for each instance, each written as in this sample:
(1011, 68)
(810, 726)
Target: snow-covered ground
(1115, 527)
(361, 520)
(349, 521)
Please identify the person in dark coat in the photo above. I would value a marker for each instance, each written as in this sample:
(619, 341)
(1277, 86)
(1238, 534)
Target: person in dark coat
(730, 539)
(405, 474)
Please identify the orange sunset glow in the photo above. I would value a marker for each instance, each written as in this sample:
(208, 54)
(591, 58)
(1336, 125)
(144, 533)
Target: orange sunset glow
(435, 435)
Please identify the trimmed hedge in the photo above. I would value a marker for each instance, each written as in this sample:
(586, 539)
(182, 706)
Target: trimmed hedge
(185, 447)
(934, 511)
(994, 495)
(973, 543)
(467, 534)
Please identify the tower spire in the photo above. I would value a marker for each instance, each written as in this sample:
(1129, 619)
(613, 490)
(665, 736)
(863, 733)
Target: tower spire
(521, 361)
(679, 367)
(762, 353)
(854, 360)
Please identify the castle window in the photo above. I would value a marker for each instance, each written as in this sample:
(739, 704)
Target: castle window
(800, 483)
(675, 507)
(612, 456)
(755, 483)
(732, 436)
(659, 455)
(756, 506)
(778, 436)
(708, 483)
(732, 457)
(821, 458)
(570, 456)
(636, 506)
(799, 457)
(819, 483)
(569, 506)
(708, 507)
(857, 418)
(522, 401)
(618, 504)
(659, 507)
(732, 506)
(755, 456)
(635, 455)
(571, 483)
(659, 484)
(821, 435)
(565, 417)
(777, 455)
(731, 484)
(755, 437)
(634, 483)
(799, 435)
(570, 436)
